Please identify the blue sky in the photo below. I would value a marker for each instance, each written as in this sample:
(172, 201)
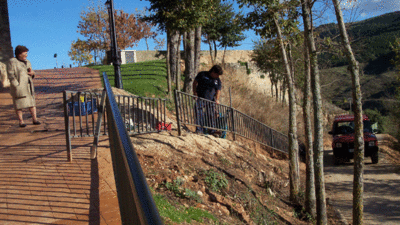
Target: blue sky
(47, 27)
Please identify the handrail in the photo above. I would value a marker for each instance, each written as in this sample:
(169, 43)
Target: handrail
(203, 113)
(135, 200)
(82, 108)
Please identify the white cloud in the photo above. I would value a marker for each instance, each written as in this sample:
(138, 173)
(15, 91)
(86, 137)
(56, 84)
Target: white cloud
(369, 8)
(379, 6)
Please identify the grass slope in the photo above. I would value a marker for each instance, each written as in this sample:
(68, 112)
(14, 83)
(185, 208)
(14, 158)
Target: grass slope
(143, 79)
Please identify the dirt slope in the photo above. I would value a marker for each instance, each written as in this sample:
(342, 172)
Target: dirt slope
(257, 191)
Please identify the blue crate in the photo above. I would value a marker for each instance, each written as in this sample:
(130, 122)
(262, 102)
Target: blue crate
(86, 107)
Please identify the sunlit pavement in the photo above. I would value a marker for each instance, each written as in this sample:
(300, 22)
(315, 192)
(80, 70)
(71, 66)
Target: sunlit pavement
(38, 185)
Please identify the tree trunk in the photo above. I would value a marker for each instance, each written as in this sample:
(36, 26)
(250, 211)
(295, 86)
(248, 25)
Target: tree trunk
(294, 174)
(291, 61)
(272, 87)
(178, 65)
(184, 39)
(215, 51)
(189, 63)
(197, 50)
(310, 183)
(169, 80)
(358, 183)
(223, 57)
(211, 55)
(173, 56)
(318, 147)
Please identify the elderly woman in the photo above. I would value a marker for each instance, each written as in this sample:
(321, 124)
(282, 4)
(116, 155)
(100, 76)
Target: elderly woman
(20, 74)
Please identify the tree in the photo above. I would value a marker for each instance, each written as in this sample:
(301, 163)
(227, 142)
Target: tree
(197, 46)
(180, 16)
(395, 46)
(267, 57)
(147, 30)
(226, 28)
(94, 25)
(79, 53)
(189, 61)
(273, 19)
(396, 61)
(232, 34)
(310, 201)
(358, 185)
(318, 120)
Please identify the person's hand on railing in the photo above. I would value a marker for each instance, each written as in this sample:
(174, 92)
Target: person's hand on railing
(217, 101)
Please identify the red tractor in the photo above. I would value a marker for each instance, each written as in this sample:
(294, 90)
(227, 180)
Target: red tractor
(343, 139)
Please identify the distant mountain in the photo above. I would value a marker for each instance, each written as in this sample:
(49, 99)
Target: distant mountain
(371, 40)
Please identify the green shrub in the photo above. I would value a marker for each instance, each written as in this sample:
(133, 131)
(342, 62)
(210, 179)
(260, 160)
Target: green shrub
(175, 188)
(376, 117)
(248, 71)
(182, 214)
(216, 181)
(180, 192)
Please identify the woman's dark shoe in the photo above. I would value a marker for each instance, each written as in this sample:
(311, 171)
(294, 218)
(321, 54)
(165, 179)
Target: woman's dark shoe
(22, 125)
(36, 123)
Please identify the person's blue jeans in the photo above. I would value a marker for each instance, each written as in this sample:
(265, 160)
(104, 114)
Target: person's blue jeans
(205, 116)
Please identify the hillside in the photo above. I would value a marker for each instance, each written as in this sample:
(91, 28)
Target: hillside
(199, 179)
(370, 40)
(232, 182)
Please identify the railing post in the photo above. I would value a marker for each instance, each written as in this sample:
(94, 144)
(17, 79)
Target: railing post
(93, 149)
(272, 139)
(232, 114)
(178, 119)
(67, 128)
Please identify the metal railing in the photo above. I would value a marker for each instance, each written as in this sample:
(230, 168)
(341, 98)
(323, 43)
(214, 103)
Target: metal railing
(135, 200)
(80, 116)
(205, 114)
(82, 110)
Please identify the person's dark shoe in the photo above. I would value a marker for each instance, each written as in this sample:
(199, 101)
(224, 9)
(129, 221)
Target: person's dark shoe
(36, 122)
(22, 125)
(216, 135)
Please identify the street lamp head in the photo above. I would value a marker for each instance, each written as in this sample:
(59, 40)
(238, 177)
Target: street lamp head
(108, 3)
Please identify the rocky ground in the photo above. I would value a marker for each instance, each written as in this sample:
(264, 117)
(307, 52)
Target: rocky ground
(256, 190)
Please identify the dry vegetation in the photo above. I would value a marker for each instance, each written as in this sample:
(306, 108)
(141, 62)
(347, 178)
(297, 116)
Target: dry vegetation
(238, 182)
(250, 101)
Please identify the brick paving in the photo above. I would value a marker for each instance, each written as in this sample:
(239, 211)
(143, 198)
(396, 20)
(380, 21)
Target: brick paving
(37, 183)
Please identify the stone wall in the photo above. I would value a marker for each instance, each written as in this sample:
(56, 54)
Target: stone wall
(6, 50)
(231, 56)
(142, 56)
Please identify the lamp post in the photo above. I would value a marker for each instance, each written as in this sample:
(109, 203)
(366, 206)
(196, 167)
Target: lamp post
(55, 56)
(114, 48)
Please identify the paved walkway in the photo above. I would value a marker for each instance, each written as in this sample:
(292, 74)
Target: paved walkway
(37, 183)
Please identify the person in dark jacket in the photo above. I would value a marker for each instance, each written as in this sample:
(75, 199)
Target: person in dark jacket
(207, 85)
